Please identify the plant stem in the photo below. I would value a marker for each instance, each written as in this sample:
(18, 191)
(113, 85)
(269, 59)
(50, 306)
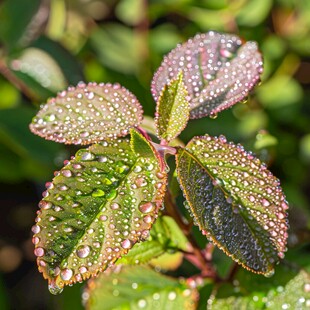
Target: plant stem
(6, 72)
(197, 257)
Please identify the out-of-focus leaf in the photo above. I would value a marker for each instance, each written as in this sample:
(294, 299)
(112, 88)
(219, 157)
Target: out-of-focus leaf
(164, 38)
(88, 114)
(286, 290)
(9, 95)
(21, 150)
(305, 148)
(165, 235)
(34, 66)
(218, 71)
(116, 47)
(254, 12)
(235, 201)
(279, 91)
(295, 295)
(57, 19)
(98, 206)
(138, 288)
(209, 19)
(167, 261)
(130, 12)
(264, 140)
(69, 65)
(172, 110)
(20, 22)
(251, 121)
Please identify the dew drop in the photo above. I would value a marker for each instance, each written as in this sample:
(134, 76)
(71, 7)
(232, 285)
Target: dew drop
(112, 194)
(103, 218)
(66, 173)
(98, 193)
(213, 115)
(50, 118)
(114, 206)
(84, 134)
(172, 296)
(269, 274)
(83, 251)
(83, 269)
(307, 288)
(146, 207)
(141, 182)
(126, 244)
(66, 274)
(137, 169)
(142, 303)
(147, 219)
(39, 252)
(35, 229)
(90, 95)
(54, 288)
(85, 155)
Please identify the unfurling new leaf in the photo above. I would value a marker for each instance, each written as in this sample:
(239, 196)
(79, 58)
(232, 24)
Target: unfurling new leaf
(172, 112)
(88, 114)
(218, 71)
(235, 200)
(98, 206)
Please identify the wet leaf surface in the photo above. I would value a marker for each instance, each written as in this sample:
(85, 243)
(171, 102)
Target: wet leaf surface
(88, 114)
(165, 235)
(235, 201)
(288, 289)
(138, 288)
(97, 207)
(172, 111)
(218, 70)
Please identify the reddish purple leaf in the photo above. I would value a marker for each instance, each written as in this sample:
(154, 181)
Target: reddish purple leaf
(218, 70)
(87, 114)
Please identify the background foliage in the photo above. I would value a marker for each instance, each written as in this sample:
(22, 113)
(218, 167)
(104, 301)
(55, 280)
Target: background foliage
(47, 45)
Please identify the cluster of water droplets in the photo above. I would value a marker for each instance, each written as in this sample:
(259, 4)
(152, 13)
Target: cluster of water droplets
(218, 71)
(98, 206)
(236, 201)
(88, 113)
(172, 110)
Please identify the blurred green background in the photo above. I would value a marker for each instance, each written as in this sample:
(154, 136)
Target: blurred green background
(47, 45)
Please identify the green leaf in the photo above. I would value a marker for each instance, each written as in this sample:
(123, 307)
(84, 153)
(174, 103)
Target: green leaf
(288, 289)
(165, 235)
(70, 66)
(98, 206)
(295, 295)
(235, 200)
(254, 12)
(172, 111)
(88, 114)
(116, 46)
(36, 64)
(20, 22)
(218, 70)
(138, 288)
(141, 146)
(23, 155)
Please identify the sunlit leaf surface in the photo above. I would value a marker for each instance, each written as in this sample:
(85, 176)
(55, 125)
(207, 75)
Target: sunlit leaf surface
(88, 114)
(235, 200)
(218, 69)
(165, 235)
(98, 206)
(288, 289)
(172, 111)
(138, 288)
